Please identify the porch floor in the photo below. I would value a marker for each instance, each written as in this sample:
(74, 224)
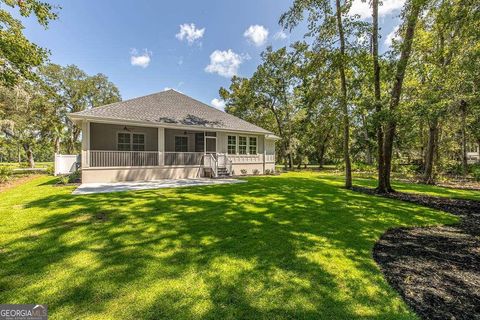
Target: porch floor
(90, 188)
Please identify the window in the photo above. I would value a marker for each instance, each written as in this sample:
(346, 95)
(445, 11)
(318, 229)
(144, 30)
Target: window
(252, 145)
(181, 144)
(242, 145)
(138, 142)
(232, 145)
(124, 141)
(130, 141)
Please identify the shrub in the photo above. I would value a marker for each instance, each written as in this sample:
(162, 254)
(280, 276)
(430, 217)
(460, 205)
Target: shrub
(49, 169)
(5, 173)
(267, 172)
(243, 172)
(74, 177)
(63, 179)
(475, 170)
(256, 172)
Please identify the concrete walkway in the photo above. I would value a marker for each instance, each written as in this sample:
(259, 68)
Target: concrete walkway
(89, 188)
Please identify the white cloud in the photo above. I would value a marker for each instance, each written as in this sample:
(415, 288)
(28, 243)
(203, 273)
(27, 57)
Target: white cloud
(218, 103)
(392, 36)
(167, 88)
(280, 35)
(365, 12)
(140, 59)
(190, 33)
(256, 34)
(225, 63)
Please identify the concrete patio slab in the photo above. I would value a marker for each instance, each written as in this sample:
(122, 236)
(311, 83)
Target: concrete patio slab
(90, 188)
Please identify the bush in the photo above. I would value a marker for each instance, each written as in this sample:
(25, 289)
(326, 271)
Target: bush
(475, 171)
(267, 172)
(243, 172)
(74, 177)
(49, 169)
(256, 172)
(5, 173)
(63, 179)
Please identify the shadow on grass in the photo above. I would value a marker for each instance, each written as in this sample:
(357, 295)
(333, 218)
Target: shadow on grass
(293, 246)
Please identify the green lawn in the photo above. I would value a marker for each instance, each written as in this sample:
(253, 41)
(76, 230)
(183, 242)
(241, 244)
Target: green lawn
(289, 246)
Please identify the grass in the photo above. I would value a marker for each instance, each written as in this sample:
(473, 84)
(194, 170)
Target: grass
(423, 189)
(16, 165)
(290, 246)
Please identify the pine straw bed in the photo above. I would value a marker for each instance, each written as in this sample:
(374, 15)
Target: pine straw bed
(435, 269)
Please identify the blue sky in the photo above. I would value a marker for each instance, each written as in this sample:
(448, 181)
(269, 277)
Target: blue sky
(139, 44)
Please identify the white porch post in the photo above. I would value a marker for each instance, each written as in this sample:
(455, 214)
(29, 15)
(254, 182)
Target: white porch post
(85, 144)
(264, 152)
(161, 146)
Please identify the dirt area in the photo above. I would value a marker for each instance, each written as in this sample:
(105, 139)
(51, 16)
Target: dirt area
(435, 269)
(16, 180)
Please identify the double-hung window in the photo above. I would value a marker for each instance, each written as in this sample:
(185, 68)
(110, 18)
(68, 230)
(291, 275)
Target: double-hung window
(181, 144)
(242, 145)
(138, 142)
(252, 145)
(127, 141)
(124, 141)
(232, 144)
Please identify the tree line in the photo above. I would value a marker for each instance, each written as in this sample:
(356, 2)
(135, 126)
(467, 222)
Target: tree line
(334, 97)
(36, 96)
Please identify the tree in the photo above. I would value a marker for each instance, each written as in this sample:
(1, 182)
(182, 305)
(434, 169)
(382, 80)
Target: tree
(17, 54)
(413, 9)
(269, 93)
(72, 90)
(328, 25)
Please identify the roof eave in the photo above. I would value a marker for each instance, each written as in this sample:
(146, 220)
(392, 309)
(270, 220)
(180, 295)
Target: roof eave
(75, 117)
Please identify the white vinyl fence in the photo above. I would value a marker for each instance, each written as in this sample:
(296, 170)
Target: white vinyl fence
(66, 163)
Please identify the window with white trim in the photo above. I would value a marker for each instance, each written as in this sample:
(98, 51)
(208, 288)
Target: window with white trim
(138, 142)
(127, 141)
(181, 144)
(242, 145)
(252, 145)
(124, 141)
(232, 144)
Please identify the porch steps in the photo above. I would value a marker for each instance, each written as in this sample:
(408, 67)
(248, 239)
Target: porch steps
(223, 172)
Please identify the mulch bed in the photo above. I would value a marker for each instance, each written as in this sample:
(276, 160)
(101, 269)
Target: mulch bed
(435, 269)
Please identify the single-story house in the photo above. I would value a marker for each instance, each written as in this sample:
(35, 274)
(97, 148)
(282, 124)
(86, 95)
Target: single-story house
(168, 135)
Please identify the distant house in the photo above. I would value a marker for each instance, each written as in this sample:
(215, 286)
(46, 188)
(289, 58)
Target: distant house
(473, 153)
(169, 135)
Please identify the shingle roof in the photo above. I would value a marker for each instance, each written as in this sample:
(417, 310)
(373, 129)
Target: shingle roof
(170, 107)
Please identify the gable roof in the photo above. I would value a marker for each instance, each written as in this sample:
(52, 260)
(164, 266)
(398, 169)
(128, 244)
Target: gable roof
(170, 108)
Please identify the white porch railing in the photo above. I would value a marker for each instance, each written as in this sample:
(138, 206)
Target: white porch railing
(269, 158)
(100, 158)
(183, 158)
(245, 158)
(104, 158)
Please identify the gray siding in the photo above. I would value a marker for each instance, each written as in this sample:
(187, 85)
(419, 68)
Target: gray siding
(103, 136)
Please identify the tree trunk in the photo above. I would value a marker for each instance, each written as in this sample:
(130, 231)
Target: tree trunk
(430, 154)
(56, 144)
(463, 109)
(381, 186)
(406, 49)
(321, 154)
(29, 154)
(343, 99)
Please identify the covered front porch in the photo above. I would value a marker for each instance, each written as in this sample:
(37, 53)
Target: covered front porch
(213, 153)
